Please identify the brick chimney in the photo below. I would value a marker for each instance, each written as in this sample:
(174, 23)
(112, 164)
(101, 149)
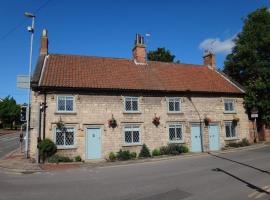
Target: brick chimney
(209, 59)
(139, 51)
(44, 43)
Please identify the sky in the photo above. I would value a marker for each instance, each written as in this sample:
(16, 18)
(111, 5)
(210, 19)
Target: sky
(107, 28)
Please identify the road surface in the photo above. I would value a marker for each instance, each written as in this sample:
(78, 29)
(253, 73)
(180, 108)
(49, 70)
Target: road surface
(242, 175)
(8, 143)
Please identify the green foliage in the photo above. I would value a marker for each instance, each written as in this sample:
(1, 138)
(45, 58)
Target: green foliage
(133, 155)
(173, 149)
(112, 156)
(9, 111)
(47, 148)
(123, 155)
(184, 149)
(78, 159)
(162, 55)
(156, 152)
(58, 159)
(244, 142)
(145, 152)
(249, 62)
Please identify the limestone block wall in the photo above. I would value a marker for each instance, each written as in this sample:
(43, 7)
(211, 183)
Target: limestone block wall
(98, 109)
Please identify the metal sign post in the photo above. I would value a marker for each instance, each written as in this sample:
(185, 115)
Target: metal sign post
(255, 115)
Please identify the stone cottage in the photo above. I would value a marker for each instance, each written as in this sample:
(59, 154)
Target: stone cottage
(107, 104)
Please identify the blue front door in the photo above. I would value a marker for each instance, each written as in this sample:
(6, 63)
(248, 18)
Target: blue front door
(93, 143)
(213, 132)
(196, 145)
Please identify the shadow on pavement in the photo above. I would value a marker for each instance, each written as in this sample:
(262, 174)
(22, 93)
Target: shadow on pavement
(250, 185)
(261, 170)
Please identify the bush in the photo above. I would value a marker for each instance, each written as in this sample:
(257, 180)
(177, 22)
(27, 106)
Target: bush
(133, 155)
(78, 159)
(244, 142)
(173, 149)
(46, 148)
(123, 155)
(112, 156)
(156, 152)
(58, 159)
(184, 149)
(144, 153)
(164, 150)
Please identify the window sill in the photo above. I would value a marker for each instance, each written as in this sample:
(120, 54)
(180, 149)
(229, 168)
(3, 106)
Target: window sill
(175, 113)
(131, 145)
(231, 139)
(65, 113)
(229, 112)
(134, 112)
(176, 142)
(66, 148)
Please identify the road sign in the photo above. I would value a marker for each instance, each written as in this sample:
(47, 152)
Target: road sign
(255, 115)
(23, 81)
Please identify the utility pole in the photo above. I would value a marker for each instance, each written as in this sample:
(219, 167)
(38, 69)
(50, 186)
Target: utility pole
(31, 30)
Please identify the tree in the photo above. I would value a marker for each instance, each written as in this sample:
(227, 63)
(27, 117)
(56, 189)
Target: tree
(9, 111)
(161, 54)
(249, 62)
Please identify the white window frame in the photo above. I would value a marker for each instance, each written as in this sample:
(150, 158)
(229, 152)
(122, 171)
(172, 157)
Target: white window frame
(65, 111)
(235, 130)
(174, 99)
(132, 99)
(66, 146)
(229, 101)
(138, 128)
(175, 126)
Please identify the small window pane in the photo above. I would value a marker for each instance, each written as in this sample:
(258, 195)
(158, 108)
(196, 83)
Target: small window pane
(171, 106)
(233, 131)
(179, 133)
(136, 137)
(59, 138)
(69, 137)
(128, 137)
(177, 106)
(135, 105)
(172, 133)
(128, 105)
(61, 104)
(228, 130)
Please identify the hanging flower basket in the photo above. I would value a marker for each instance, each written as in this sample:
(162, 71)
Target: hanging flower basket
(60, 125)
(112, 122)
(207, 121)
(156, 121)
(235, 120)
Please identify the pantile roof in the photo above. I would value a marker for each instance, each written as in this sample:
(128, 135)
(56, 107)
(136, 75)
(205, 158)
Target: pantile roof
(72, 71)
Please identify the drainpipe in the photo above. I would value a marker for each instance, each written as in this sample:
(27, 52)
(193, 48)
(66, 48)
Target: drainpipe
(201, 131)
(44, 114)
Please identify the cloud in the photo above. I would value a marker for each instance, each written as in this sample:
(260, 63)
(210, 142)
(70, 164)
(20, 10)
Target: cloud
(216, 45)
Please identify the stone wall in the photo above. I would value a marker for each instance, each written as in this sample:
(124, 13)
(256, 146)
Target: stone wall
(98, 109)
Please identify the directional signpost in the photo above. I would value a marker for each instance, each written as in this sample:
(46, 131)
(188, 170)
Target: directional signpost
(255, 115)
(23, 81)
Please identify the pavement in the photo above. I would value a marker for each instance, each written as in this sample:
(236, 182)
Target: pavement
(243, 174)
(16, 162)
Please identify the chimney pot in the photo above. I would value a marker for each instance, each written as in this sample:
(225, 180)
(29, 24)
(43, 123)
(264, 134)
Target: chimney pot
(139, 51)
(209, 59)
(44, 43)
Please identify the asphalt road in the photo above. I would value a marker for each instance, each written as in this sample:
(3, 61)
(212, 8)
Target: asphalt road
(233, 176)
(8, 143)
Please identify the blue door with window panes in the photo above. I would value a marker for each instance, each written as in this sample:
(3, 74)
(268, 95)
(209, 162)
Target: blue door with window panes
(213, 132)
(196, 145)
(93, 143)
